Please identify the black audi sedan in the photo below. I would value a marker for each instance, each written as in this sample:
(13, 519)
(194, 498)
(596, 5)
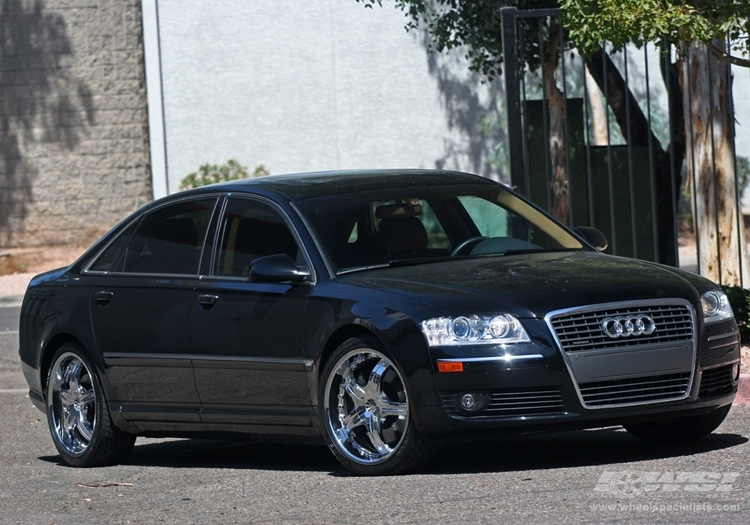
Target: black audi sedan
(388, 312)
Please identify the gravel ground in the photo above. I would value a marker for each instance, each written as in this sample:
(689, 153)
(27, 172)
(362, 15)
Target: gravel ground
(14, 284)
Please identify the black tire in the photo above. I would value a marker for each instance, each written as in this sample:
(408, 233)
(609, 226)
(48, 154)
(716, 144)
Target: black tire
(77, 413)
(365, 411)
(688, 428)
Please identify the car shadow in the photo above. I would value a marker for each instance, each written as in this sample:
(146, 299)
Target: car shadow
(606, 446)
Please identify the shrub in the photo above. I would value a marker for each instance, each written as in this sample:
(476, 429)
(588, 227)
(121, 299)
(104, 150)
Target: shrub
(213, 173)
(739, 299)
(12, 264)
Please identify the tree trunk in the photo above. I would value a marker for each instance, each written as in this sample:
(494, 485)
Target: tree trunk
(556, 110)
(710, 163)
(598, 112)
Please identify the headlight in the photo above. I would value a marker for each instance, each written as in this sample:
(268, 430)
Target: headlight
(716, 306)
(473, 330)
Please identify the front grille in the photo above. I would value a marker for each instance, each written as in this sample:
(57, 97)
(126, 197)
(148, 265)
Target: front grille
(516, 403)
(582, 330)
(635, 390)
(717, 381)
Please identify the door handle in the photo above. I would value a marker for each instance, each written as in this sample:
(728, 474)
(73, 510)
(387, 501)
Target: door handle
(207, 300)
(103, 298)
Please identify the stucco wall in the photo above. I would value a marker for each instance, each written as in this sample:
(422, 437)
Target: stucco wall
(304, 86)
(73, 119)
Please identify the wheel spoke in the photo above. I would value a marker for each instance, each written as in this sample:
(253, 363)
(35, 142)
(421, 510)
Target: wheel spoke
(355, 391)
(67, 398)
(84, 427)
(392, 408)
(373, 434)
(375, 379)
(355, 419)
(70, 420)
(86, 398)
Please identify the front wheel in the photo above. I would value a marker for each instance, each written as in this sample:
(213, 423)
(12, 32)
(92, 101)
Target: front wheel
(366, 413)
(77, 413)
(686, 428)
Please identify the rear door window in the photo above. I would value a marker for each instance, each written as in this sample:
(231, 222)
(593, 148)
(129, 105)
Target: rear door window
(168, 240)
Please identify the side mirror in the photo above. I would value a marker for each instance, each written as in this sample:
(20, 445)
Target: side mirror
(276, 269)
(592, 236)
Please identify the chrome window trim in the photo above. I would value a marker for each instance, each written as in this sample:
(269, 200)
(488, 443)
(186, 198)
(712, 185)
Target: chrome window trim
(624, 304)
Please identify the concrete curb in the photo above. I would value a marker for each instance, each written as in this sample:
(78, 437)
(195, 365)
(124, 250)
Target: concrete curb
(11, 301)
(743, 390)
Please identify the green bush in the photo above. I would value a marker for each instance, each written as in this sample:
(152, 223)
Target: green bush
(739, 300)
(213, 173)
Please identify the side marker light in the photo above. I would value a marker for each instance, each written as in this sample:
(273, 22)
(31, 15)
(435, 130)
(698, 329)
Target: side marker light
(450, 367)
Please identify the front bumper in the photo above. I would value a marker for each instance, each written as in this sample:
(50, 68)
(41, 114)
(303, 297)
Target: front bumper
(528, 388)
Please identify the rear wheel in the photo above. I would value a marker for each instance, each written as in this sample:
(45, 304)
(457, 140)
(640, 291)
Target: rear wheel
(366, 412)
(681, 429)
(77, 413)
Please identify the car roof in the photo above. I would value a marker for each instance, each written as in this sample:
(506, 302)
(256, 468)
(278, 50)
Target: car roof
(302, 186)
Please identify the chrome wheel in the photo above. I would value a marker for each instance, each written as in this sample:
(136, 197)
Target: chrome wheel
(366, 406)
(71, 400)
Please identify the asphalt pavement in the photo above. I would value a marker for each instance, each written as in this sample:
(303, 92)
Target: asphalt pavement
(9, 317)
(595, 476)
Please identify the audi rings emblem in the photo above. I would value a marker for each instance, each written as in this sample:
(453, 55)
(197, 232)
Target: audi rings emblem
(632, 325)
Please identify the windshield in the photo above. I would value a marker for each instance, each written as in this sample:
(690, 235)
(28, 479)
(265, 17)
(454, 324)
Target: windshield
(398, 226)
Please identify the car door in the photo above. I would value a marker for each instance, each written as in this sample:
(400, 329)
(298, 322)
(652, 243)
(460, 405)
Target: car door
(247, 336)
(142, 287)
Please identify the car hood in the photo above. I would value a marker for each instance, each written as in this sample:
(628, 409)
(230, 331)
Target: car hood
(529, 285)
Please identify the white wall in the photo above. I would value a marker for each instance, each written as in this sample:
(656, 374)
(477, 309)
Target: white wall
(302, 86)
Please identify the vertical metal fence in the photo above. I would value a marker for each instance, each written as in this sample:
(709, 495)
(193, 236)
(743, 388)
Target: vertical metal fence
(628, 181)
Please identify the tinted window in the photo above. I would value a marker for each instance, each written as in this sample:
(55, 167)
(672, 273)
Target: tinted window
(250, 229)
(112, 258)
(170, 239)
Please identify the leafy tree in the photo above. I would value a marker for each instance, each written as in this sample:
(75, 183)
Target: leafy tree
(213, 173)
(672, 22)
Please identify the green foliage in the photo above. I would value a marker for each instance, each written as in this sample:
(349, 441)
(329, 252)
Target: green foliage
(739, 300)
(213, 173)
(591, 23)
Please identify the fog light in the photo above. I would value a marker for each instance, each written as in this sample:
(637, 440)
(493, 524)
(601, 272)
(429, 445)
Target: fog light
(471, 402)
(735, 373)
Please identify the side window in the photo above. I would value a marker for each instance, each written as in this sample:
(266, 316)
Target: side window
(170, 239)
(250, 229)
(490, 219)
(111, 259)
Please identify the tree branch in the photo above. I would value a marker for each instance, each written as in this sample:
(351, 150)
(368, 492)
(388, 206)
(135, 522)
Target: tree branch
(723, 56)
